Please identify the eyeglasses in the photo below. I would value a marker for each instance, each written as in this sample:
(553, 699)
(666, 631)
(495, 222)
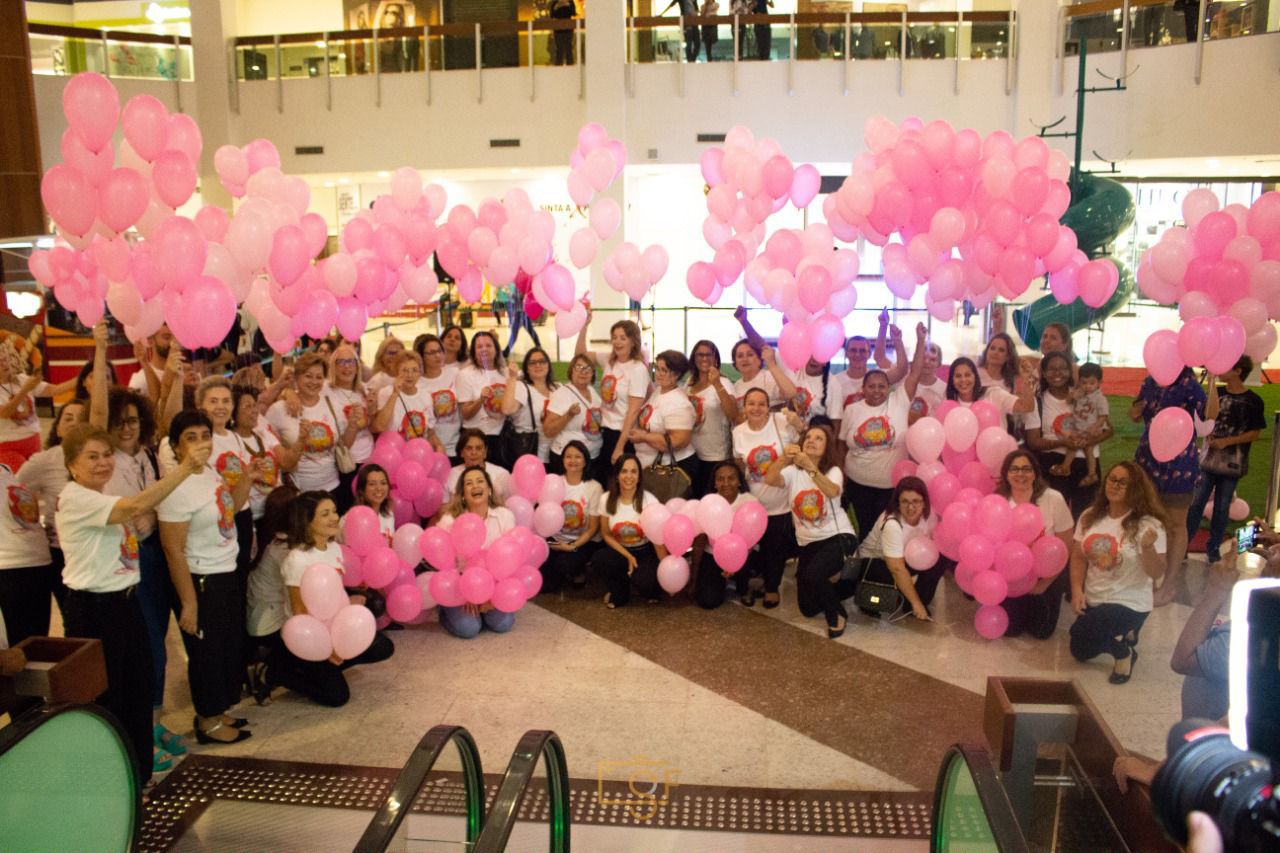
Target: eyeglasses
(538, 362)
(130, 422)
(1021, 469)
(910, 501)
(1112, 481)
(346, 362)
(433, 351)
(392, 353)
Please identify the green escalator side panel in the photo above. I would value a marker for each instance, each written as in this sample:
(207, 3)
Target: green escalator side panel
(1031, 319)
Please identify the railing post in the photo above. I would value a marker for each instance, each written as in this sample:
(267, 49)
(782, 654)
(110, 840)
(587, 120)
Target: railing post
(426, 57)
(1060, 47)
(579, 37)
(631, 56)
(1273, 476)
(1011, 70)
(106, 56)
(279, 74)
(528, 28)
(848, 49)
(955, 89)
(791, 54)
(233, 78)
(177, 72)
(479, 65)
(902, 52)
(1124, 37)
(1200, 34)
(737, 48)
(377, 71)
(328, 73)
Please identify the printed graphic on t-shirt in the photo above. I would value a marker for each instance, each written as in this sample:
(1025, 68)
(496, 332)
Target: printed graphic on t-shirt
(129, 561)
(230, 467)
(1102, 551)
(23, 507)
(226, 511)
(802, 400)
(22, 411)
(494, 405)
(808, 506)
(628, 533)
(699, 412)
(362, 421)
(758, 461)
(609, 388)
(642, 420)
(269, 471)
(413, 424)
(850, 399)
(317, 436)
(591, 421)
(575, 516)
(1063, 424)
(875, 431)
(919, 407)
(444, 403)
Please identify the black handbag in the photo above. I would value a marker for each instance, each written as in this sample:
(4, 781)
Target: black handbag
(665, 482)
(512, 444)
(874, 596)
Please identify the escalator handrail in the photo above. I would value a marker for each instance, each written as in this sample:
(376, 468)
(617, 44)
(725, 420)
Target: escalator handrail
(382, 829)
(1005, 829)
(502, 815)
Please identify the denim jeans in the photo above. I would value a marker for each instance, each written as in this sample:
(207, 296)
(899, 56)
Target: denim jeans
(1224, 489)
(463, 625)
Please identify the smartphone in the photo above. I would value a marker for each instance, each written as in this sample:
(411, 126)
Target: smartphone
(1246, 537)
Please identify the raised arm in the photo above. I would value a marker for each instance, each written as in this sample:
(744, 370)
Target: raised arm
(912, 381)
(1026, 401)
(510, 401)
(1212, 405)
(786, 387)
(882, 357)
(150, 497)
(98, 389)
(1217, 591)
(749, 332)
(580, 348)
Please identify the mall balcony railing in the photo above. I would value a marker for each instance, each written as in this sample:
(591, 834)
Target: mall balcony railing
(62, 51)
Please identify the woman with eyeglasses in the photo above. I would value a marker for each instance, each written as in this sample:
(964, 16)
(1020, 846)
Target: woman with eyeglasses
(438, 382)
(384, 363)
(623, 388)
(906, 516)
(1036, 613)
(715, 411)
(664, 427)
(528, 396)
(1052, 446)
(481, 385)
(574, 414)
(348, 394)
(572, 547)
(404, 407)
(1119, 550)
(318, 427)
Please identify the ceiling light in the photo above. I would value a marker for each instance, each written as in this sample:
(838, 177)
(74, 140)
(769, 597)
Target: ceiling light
(384, 174)
(328, 183)
(344, 180)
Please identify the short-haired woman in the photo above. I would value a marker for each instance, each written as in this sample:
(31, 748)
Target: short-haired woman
(572, 546)
(574, 414)
(667, 418)
(715, 412)
(628, 558)
(405, 407)
(474, 451)
(623, 388)
(318, 427)
(480, 385)
(475, 494)
(758, 368)
(528, 396)
(709, 585)
(906, 516)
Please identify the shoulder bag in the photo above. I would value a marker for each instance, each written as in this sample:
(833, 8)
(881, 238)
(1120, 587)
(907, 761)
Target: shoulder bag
(874, 596)
(341, 453)
(512, 444)
(666, 481)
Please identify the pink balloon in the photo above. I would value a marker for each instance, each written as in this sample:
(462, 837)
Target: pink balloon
(974, 475)
(92, 107)
(468, 535)
(174, 177)
(605, 217)
(1162, 357)
(804, 185)
(405, 543)
(528, 475)
(146, 126)
(476, 585)
(307, 637)
(1239, 510)
(990, 587)
(436, 547)
(509, 595)
(795, 344)
(552, 490)
(380, 565)
(731, 552)
(212, 309)
(991, 621)
(925, 439)
(1049, 556)
(361, 530)
(813, 286)
(994, 518)
(714, 516)
(531, 579)
(678, 534)
(404, 602)
(444, 587)
(1027, 524)
(1170, 433)
(920, 553)
(184, 135)
(1013, 561)
(548, 519)
(583, 246)
(673, 573)
(122, 199)
(69, 198)
(411, 479)
(943, 489)
(1231, 341)
(903, 468)
(322, 591)
(977, 550)
(289, 257)
(961, 428)
(352, 629)
(1213, 233)
(749, 522)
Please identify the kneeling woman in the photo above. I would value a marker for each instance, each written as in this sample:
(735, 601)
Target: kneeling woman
(628, 556)
(709, 579)
(907, 515)
(313, 540)
(475, 495)
(812, 477)
(572, 547)
(1119, 550)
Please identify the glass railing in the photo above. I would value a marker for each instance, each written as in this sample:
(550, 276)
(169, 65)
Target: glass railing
(1153, 23)
(58, 50)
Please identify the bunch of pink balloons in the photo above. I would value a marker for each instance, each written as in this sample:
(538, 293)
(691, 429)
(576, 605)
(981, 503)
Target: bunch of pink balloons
(977, 217)
(957, 452)
(332, 624)
(731, 534)
(505, 574)
(1223, 270)
(417, 474)
(537, 502)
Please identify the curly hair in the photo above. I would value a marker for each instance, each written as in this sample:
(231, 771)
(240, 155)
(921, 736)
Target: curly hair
(119, 399)
(1140, 495)
(1038, 485)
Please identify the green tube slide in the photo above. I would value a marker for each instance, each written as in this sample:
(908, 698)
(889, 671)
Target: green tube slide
(1101, 208)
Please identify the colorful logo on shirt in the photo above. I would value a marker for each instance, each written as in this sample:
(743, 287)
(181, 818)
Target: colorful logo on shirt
(1062, 424)
(1102, 551)
(231, 468)
(919, 407)
(575, 516)
(609, 389)
(699, 412)
(269, 472)
(444, 404)
(758, 461)
(129, 560)
(850, 399)
(494, 405)
(591, 421)
(226, 506)
(875, 431)
(802, 400)
(628, 533)
(646, 413)
(413, 424)
(23, 507)
(317, 437)
(808, 506)
(362, 417)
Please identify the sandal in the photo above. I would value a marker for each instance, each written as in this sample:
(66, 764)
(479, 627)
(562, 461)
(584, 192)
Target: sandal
(160, 760)
(168, 741)
(206, 735)
(772, 600)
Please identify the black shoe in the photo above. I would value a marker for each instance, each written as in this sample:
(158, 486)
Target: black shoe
(769, 605)
(394, 626)
(238, 722)
(748, 598)
(1123, 678)
(203, 737)
(837, 630)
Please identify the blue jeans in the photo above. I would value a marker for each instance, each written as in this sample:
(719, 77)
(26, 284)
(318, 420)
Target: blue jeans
(157, 600)
(1224, 489)
(461, 624)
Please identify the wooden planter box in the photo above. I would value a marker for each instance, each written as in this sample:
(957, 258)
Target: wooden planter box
(62, 669)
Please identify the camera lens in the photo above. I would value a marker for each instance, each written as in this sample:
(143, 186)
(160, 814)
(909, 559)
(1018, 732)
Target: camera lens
(1206, 773)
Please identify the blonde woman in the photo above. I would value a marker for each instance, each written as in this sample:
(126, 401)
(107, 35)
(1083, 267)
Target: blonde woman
(623, 388)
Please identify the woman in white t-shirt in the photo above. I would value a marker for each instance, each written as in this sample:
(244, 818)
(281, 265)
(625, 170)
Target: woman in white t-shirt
(101, 573)
(474, 451)
(667, 417)
(709, 579)
(1048, 436)
(198, 532)
(481, 385)
(574, 414)
(384, 363)
(572, 547)
(1022, 482)
(318, 426)
(404, 407)
(45, 476)
(373, 489)
(906, 516)
(19, 423)
(964, 385)
(274, 459)
(715, 410)
(231, 458)
(759, 368)
(26, 573)
(931, 389)
(354, 400)
(528, 396)
(811, 389)
(1119, 550)
(475, 494)
(454, 340)
(628, 559)
(758, 443)
(623, 388)
(437, 382)
(265, 603)
(811, 475)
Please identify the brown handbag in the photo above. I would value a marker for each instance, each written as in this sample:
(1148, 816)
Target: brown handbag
(665, 482)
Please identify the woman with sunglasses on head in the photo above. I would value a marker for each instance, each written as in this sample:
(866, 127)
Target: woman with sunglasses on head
(1052, 445)
(1036, 613)
(347, 394)
(1119, 550)
(664, 428)
(623, 388)
(709, 584)
(438, 382)
(573, 546)
(384, 363)
(715, 412)
(528, 395)
(481, 385)
(628, 559)
(810, 474)
(906, 516)
(475, 494)
(574, 414)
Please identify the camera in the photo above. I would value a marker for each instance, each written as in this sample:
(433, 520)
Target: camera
(1231, 774)
(1246, 537)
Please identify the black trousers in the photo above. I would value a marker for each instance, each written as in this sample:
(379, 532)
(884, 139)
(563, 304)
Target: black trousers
(603, 467)
(613, 567)
(867, 502)
(25, 602)
(819, 587)
(1037, 615)
(1105, 629)
(764, 40)
(926, 582)
(563, 567)
(56, 564)
(493, 449)
(320, 681)
(343, 497)
(710, 587)
(564, 47)
(777, 545)
(1078, 497)
(116, 619)
(215, 663)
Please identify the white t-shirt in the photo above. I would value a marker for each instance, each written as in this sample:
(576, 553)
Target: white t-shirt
(344, 400)
(765, 382)
(579, 503)
(760, 449)
(1057, 515)
(23, 543)
(1049, 416)
(230, 457)
(584, 426)
(526, 392)
(497, 522)
(204, 502)
(316, 469)
(45, 475)
(261, 445)
(444, 406)
(138, 381)
(266, 592)
(624, 522)
(100, 557)
(412, 415)
(810, 398)
(470, 383)
(665, 411)
(378, 381)
(621, 381)
(298, 560)
(1113, 569)
(876, 438)
(928, 397)
(712, 440)
(888, 537)
(25, 422)
(131, 475)
(842, 389)
(996, 396)
(501, 478)
(816, 516)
